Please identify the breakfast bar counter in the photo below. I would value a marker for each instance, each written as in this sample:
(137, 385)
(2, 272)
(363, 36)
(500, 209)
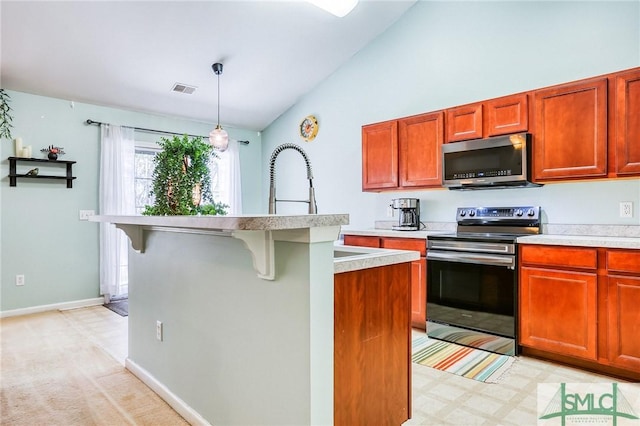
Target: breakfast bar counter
(231, 319)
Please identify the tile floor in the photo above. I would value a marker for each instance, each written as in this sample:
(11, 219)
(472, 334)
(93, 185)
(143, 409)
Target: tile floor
(439, 398)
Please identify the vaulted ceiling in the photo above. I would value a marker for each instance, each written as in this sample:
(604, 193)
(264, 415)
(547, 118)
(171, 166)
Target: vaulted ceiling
(129, 54)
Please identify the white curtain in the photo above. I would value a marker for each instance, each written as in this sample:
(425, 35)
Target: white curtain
(116, 197)
(235, 184)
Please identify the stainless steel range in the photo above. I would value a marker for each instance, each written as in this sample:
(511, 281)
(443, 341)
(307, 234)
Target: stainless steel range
(472, 277)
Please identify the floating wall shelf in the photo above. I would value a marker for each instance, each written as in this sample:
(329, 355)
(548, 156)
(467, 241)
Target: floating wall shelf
(13, 175)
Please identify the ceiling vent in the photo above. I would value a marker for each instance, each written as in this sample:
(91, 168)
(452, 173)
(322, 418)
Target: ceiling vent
(183, 88)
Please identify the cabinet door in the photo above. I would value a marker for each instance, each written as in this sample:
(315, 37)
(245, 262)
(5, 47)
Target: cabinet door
(509, 114)
(419, 293)
(627, 117)
(571, 131)
(464, 123)
(558, 311)
(415, 244)
(624, 321)
(418, 276)
(420, 139)
(372, 341)
(380, 155)
(360, 240)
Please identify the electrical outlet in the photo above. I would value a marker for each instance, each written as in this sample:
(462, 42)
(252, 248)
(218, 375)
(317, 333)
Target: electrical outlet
(626, 209)
(159, 330)
(84, 214)
(19, 279)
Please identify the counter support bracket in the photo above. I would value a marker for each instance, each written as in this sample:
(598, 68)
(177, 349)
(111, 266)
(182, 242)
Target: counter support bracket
(260, 243)
(135, 234)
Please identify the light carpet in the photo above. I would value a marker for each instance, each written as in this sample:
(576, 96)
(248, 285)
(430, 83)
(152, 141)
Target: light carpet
(54, 375)
(461, 360)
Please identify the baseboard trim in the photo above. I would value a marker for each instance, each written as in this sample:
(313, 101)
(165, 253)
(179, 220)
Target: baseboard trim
(181, 407)
(53, 307)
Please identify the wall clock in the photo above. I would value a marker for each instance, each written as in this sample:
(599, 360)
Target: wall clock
(309, 128)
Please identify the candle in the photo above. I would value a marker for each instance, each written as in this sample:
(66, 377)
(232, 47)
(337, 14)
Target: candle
(28, 148)
(25, 152)
(18, 142)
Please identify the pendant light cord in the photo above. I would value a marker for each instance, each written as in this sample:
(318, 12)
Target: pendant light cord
(218, 99)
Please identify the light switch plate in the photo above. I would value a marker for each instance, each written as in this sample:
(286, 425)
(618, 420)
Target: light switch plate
(84, 214)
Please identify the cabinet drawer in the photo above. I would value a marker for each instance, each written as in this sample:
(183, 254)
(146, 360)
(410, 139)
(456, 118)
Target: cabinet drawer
(623, 261)
(415, 244)
(362, 241)
(568, 257)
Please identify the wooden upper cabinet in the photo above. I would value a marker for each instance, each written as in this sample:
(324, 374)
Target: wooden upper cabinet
(494, 117)
(509, 114)
(380, 155)
(571, 131)
(627, 122)
(420, 138)
(464, 123)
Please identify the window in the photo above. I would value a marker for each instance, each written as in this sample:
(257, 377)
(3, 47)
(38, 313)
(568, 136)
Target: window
(143, 176)
(219, 170)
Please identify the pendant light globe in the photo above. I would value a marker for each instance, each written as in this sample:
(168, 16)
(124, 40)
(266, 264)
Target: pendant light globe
(218, 137)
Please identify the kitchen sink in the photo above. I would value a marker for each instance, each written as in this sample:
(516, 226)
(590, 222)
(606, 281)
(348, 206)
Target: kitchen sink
(343, 252)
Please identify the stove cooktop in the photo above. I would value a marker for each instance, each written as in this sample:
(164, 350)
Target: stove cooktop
(494, 223)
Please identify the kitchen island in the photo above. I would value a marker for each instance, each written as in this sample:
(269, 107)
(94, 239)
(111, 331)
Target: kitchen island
(231, 319)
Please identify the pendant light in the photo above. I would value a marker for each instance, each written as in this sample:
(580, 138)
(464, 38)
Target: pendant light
(218, 137)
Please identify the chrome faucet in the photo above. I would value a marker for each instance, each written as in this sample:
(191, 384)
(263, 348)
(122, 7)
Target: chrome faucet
(313, 208)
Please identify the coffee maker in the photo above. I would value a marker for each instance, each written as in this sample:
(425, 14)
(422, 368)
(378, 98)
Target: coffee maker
(408, 215)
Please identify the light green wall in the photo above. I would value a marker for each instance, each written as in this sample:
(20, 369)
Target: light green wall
(442, 54)
(237, 349)
(42, 236)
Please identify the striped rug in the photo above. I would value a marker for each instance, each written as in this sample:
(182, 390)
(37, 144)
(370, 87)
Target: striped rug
(463, 361)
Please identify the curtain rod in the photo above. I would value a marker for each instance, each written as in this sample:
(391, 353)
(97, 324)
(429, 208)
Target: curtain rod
(162, 132)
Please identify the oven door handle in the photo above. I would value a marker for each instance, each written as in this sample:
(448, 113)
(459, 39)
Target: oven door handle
(478, 258)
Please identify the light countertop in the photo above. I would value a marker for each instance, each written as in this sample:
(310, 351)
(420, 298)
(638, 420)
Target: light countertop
(607, 236)
(351, 258)
(263, 222)
(582, 240)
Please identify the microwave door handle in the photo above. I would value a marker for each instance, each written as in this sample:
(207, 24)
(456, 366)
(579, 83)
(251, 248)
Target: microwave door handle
(477, 258)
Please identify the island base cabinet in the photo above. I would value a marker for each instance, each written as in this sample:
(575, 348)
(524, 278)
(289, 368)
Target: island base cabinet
(372, 346)
(558, 311)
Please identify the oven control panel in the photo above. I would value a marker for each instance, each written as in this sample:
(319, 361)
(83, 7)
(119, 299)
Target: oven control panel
(498, 214)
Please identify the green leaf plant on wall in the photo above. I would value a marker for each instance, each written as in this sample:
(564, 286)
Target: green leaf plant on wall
(181, 179)
(5, 115)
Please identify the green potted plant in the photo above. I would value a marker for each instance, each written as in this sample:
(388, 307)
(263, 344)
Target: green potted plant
(181, 179)
(5, 115)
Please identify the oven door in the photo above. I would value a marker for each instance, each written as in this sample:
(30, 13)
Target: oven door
(474, 291)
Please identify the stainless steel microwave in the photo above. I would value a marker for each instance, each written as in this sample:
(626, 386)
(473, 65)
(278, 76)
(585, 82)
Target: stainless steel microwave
(498, 162)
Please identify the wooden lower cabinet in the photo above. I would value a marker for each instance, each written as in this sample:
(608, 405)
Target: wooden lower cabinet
(558, 311)
(581, 303)
(418, 269)
(623, 308)
(372, 346)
